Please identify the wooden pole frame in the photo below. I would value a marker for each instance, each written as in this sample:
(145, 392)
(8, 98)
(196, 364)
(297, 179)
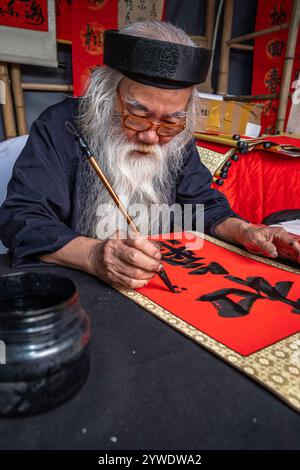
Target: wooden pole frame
(206, 86)
(288, 66)
(242, 47)
(225, 49)
(209, 21)
(206, 40)
(235, 43)
(7, 107)
(18, 94)
(256, 34)
(55, 87)
(269, 96)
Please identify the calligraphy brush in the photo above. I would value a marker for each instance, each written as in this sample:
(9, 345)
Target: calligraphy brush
(93, 162)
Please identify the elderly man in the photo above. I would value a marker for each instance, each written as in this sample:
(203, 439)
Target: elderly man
(137, 118)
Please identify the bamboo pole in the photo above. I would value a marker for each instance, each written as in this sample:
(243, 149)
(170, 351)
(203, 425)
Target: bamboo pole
(7, 104)
(242, 47)
(225, 50)
(270, 96)
(206, 87)
(288, 65)
(201, 41)
(47, 87)
(18, 94)
(256, 34)
(209, 21)
(64, 41)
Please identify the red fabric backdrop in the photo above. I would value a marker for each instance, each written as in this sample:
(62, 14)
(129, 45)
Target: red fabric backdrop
(63, 20)
(90, 18)
(261, 182)
(269, 54)
(89, 21)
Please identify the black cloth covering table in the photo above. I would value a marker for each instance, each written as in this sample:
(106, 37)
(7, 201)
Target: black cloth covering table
(151, 388)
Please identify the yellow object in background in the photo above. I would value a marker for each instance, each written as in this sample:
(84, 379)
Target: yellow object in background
(230, 117)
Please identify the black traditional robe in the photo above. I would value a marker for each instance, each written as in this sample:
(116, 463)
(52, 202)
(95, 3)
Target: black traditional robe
(42, 207)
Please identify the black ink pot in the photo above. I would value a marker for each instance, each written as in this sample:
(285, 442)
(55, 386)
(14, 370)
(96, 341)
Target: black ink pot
(44, 336)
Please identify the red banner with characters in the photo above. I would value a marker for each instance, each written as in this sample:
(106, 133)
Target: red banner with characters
(63, 20)
(242, 303)
(269, 54)
(90, 18)
(25, 14)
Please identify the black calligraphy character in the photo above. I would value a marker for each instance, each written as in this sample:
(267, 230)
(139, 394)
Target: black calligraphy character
(153, 11)
(88, 35)
(141, 5)
(129, 8)
(268, 107)
(277, 16)
(10, 9)
(34, 14)
(180, 256)
(92, 36)
(227, 307)
(272, 80)
(213, 268)
(275, 48)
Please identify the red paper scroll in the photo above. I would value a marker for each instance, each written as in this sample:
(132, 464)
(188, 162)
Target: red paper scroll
(90, 18)
(269, 54)
(26, 14)
(63, 20)
(242, 303)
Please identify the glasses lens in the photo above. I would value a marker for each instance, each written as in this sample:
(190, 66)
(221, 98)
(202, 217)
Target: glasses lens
(170, 130)
(136, 124)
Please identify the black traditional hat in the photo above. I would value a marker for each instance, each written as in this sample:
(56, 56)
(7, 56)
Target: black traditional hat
(154, 62)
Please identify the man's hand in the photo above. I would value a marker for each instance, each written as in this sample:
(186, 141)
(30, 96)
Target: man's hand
(272, 242)
(127, 262)
(130, 262)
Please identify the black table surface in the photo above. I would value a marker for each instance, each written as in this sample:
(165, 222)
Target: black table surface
(150, 387)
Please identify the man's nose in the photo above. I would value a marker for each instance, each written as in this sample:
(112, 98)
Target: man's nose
(149, 137)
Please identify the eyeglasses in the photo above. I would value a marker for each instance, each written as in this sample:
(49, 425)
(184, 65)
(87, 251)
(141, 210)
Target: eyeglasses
(140, 124)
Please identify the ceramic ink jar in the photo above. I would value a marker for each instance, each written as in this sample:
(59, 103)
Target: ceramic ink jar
(44, 335)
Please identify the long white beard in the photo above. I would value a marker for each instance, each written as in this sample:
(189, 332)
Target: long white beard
(137, 179)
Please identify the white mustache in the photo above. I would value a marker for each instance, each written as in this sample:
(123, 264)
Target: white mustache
(145, 148)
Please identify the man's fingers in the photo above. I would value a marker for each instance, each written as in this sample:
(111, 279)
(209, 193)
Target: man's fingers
(141, 243)
(287, 245)
(120, 280)
(133, 272)
(273, 242)
(268, 249)
(122, 264)
(138, 259)
(259, 245)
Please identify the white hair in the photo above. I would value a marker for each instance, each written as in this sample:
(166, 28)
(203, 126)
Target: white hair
(147, 180)
(161, 30)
